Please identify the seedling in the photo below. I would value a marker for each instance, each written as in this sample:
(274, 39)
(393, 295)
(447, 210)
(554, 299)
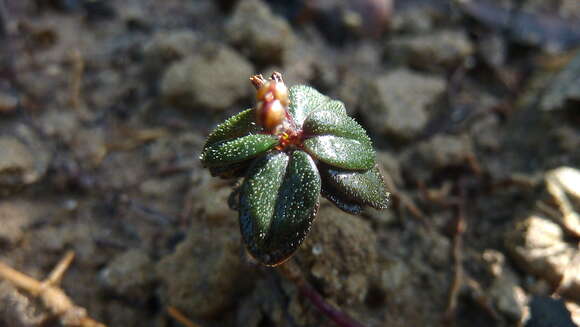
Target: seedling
(293, 146)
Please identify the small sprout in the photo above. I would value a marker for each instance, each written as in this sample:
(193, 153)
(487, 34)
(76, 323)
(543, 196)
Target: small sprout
(295, 145)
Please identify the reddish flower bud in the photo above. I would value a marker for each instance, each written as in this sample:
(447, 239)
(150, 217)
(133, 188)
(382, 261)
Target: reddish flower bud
(281, 93)
(270, 114)
(273, 100)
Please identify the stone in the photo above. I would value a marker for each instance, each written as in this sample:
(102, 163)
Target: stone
(60, 124)
(574, 309)
(568, 179)
(390, 166)
(431, 51)
(258, 32)
(259, 307)
(354, 284)
(538, 246)
(17, 164)
(570, 9)
(301, 61)
(24, 158)
(90, 146)
(441, 151)
(505, 289)
(564, 87)
(17, 310)
(213, 79)
(349, 91)
(127, 314)
(398, 103)
(59, 238)
(212, 203)
(567, 138)
(167, 47)
(8, 101)
(445, 150)
(340, 254)
(15, 218)
(439, 249)
(485, 133)
(415, 19)
(566, 9)
(205, 275)
(130, 275)
(394, 276)
(563, 184)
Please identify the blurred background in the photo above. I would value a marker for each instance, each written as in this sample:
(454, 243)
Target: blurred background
(473, 106)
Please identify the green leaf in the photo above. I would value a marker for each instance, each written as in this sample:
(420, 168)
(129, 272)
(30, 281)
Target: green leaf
(339, 202)
(304, 100)
(325, 121)
(341, 152)
(278, 202)
(258, 197)
(237, 150)
(335, 106)
(365, 188)
(234, 170)
(236, 126)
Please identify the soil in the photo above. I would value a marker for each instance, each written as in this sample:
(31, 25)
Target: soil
(105, 105)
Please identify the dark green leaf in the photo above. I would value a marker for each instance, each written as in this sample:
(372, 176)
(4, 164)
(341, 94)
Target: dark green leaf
(236, 126)
(341, 152)
(324, 121)
(237, 150)
(305, 100)
(365, 188)
(258, 197)
(234, 170)
(278, 202)
(342, 204)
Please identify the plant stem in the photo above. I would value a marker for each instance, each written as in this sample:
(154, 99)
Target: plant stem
(291, 271)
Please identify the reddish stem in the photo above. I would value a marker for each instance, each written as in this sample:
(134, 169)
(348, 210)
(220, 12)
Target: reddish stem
(339, 317)
(291, 271)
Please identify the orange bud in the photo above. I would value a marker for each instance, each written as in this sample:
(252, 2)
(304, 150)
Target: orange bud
(272, 102)
(270, 114)
(281, 93)
(262, 91)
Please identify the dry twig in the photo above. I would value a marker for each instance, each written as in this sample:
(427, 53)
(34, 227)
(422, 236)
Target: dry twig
(457, 282)
(51, 295)
(76, 79)
(457, 254)
(404, 200)
(180, 317)
(187, 209)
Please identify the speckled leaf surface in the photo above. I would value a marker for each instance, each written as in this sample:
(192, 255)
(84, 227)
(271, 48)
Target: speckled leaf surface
(304, 100)
(325, 121)
(339, 201)
(236, 126)
(341, 152)
(335, 106)
(258, 196)
(277, 207)
(234, 170)
(237, 150)
(367, 188)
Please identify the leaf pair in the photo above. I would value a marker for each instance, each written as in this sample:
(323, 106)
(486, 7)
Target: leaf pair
(280, 194)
